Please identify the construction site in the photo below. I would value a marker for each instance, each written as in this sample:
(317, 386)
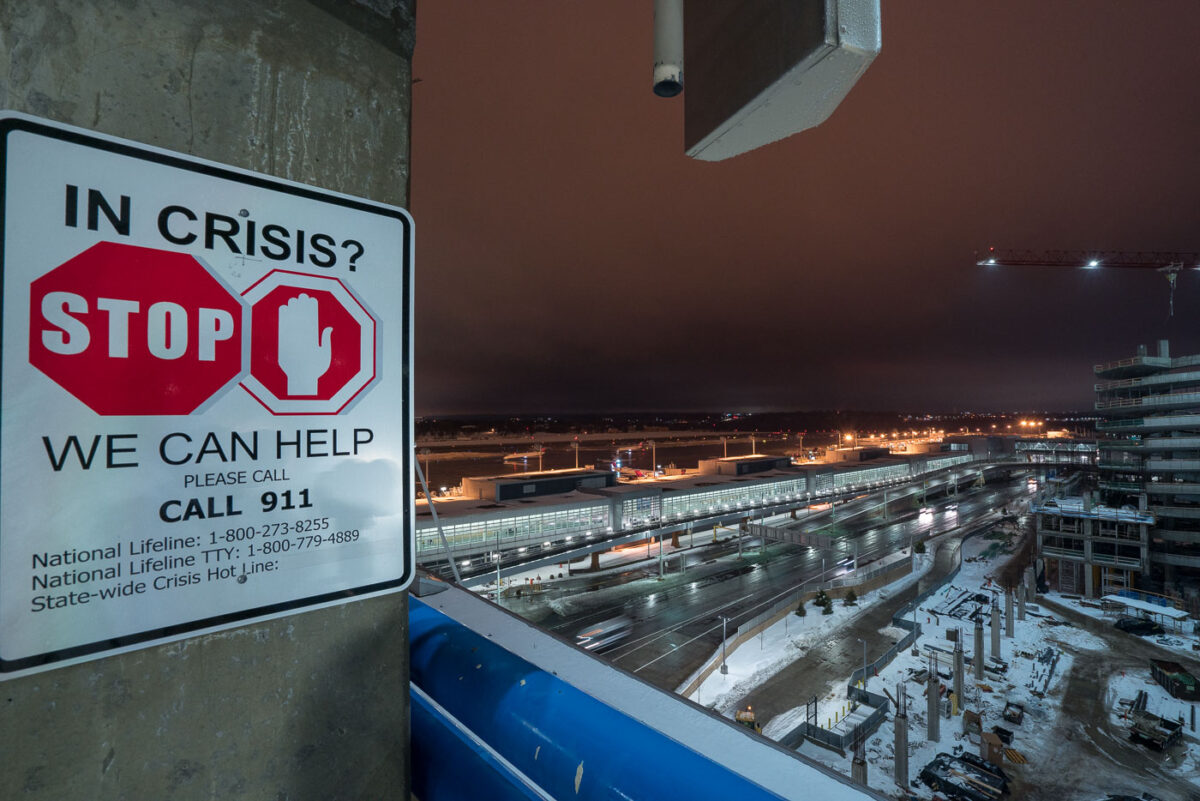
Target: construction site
(989, 690)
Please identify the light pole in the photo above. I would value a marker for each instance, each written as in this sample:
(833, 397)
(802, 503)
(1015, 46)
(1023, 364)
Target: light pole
(725, 445)
(575, 445)
(425, 452)
(864, 678)
(498, 567)
(724, 667)
(653, 458)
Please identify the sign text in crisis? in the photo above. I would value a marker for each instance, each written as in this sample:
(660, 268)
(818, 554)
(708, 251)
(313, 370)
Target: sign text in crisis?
(180, 225)
(179, 448)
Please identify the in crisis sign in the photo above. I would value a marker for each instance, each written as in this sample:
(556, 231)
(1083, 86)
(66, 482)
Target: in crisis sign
(205, 396)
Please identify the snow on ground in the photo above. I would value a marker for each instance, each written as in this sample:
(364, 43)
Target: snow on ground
(785, 641)
(1180, 639)
(1027, 681)
(1024, 677)
(1158, 700)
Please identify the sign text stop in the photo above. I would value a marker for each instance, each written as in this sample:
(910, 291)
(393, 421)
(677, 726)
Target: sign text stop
(135, 331)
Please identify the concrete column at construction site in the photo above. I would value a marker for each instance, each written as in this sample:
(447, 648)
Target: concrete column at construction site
(1089, 578)
(308, 704)
(959, 668)
(995, 630)
(858, 766)
(900, 723)
(933, 698)
(977, 657)
(1010, 622)
(1030, 584)
(1020, 602)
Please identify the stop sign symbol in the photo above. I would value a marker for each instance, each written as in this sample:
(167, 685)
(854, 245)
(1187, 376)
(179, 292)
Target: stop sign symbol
(135, 331)
(312, 346)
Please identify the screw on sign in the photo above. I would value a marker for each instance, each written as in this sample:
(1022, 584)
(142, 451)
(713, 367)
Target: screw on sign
(312, 346)
(135, 331)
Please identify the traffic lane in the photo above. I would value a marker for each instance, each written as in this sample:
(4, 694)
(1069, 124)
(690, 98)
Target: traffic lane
(781, 568)
(669, 661)
(677, 625)
(667, 653)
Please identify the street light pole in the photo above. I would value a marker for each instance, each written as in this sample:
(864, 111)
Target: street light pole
(425, 452)
(724, 666)
(498, 567)
(864, 676)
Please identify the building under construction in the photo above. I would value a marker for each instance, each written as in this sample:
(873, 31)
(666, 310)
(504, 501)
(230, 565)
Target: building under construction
(1139, 528)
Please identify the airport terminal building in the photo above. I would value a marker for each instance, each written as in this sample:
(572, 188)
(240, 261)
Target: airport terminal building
(529, 513)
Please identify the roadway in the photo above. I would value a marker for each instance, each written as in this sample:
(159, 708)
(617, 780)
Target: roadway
(678, 620)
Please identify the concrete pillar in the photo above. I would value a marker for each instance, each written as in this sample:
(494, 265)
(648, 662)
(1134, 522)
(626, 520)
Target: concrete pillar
(977, 657)
(900, 722)
(858, 767)
(933, 698)
(314, 704)
(1030, 584)
(995, 630)
(1020, 602)
(1089, 575)
(1009, 620)
(959, 667)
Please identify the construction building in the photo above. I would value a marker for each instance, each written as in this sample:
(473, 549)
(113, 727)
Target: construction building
(1139, 528)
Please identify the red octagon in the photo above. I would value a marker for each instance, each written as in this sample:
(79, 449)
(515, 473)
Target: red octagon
(328, 339)
(135, 331)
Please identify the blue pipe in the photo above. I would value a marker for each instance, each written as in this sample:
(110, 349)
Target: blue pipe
(568, 743)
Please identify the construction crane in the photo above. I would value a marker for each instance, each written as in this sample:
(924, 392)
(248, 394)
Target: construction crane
(1168, 263)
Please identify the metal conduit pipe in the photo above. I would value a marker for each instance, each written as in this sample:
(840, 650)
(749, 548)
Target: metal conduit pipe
(564, 741)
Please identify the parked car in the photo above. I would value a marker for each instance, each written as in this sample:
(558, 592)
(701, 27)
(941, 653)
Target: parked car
(1139, 626)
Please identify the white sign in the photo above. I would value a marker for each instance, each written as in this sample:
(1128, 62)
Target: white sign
(205, 396)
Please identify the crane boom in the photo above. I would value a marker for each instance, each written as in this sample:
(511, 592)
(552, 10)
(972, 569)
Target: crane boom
(1089, 259)
(1169, 263)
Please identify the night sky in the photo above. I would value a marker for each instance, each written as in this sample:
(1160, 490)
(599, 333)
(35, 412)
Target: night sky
(570, 258)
